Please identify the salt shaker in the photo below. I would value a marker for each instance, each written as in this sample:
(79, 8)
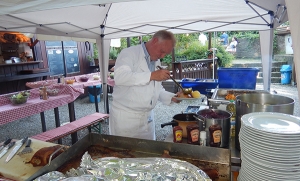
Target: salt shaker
(41, 92)
(62, 79)
(45, 95)
(202, 138)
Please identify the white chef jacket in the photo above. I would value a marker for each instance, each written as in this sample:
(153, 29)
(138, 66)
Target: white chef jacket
(135, 96)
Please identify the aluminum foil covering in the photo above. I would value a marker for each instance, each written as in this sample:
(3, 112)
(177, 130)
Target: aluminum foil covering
(130, 169)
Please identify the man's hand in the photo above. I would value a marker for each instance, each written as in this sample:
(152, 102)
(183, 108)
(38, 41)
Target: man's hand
(175, 100)
(177, 95)
(160, 75)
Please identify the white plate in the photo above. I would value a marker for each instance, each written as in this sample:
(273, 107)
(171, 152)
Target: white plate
(186, 99)
(267, 165)
(280, 159)
(286, 149)
(189, 99)
(265, 138)
(272, 122)
(267, 173)
(282, 137)
(272, 135)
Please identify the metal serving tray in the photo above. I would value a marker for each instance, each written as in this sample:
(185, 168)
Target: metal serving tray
(220, 94)
(208, 157)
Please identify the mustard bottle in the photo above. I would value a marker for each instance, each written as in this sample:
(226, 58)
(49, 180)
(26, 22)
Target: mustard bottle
(231, 108)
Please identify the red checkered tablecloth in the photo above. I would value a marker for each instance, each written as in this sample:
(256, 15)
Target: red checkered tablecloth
(91, 81)
(38, 84)
(34, 105)
(77, 84)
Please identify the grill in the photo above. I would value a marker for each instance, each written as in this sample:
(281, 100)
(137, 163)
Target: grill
(202, 157)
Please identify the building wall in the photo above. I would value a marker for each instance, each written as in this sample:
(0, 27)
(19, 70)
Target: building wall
(250, 49)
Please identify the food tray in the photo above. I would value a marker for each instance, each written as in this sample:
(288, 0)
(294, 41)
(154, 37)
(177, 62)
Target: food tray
(220, 94)
(205, 158)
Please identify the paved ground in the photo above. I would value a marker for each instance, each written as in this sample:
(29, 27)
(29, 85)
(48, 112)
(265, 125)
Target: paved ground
(32, 125)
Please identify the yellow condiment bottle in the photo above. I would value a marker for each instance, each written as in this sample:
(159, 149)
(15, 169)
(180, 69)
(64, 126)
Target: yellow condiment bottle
(232, 109)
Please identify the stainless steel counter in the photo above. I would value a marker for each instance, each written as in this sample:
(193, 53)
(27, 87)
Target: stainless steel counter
(235, 153)
(235, 156)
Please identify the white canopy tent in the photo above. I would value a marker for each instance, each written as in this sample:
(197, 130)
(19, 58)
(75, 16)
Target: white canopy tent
(102, 20)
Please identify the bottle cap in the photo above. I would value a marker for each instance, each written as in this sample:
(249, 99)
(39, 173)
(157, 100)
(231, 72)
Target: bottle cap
(203, 134)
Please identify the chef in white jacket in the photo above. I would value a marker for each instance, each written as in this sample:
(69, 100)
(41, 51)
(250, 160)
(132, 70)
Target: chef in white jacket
(138, 87)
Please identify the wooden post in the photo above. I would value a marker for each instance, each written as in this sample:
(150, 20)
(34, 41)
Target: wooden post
(209, 40)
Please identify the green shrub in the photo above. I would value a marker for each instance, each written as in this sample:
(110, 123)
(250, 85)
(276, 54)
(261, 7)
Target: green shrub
(224, 58)
(96, 54)
(167, 60)
(194, 51)
(113, 53)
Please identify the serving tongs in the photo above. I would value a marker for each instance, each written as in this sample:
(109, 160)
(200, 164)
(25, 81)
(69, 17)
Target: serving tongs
(184, 90)
(50, 158)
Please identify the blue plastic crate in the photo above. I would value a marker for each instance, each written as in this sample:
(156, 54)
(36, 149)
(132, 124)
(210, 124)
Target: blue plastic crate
(91, 93)
(202, 85)
(237, 78)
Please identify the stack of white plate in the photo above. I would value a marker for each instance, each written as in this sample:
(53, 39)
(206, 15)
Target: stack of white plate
(270, 147)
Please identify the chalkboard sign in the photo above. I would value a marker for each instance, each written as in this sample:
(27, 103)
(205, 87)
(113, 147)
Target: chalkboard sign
(55, 61)
(72, 62)
(61, 54)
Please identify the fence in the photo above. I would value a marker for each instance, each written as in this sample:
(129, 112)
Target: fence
(202, 68)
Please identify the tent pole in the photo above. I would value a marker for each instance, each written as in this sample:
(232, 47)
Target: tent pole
(209, 40)
(100, 45)
(266, 46)
(293, 11)
(213, 67)
(103, 49)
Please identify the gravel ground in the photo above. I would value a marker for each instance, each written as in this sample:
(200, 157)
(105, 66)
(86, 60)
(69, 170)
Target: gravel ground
(32, 125)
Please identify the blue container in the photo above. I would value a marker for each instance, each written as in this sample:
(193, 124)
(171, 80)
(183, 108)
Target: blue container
(202, 85)
(237, 78)
(92, 98)
(91, 93)
(286, 74)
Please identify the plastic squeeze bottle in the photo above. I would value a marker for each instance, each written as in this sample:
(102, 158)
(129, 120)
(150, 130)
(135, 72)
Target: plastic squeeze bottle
(202, 138)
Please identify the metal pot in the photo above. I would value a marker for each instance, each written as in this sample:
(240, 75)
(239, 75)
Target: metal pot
(223, 122)
(262, 102)
(182, 120)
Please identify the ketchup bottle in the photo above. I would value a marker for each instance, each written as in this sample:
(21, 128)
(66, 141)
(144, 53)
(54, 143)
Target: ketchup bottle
(177, 134)
(193, 134)
(215, 132)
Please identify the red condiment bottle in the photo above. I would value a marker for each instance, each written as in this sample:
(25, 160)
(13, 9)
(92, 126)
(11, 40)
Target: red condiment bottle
(177, 134)
(215, 132)
(192, 134)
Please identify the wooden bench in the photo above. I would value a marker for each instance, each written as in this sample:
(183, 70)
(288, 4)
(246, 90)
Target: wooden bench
(72, 127)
